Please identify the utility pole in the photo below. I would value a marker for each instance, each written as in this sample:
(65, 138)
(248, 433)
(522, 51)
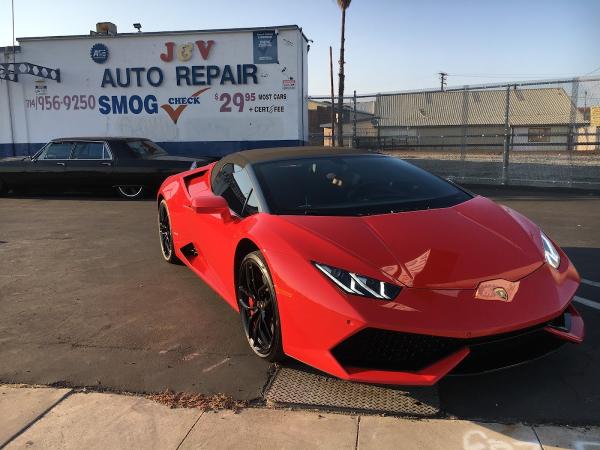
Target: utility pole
(354, 122)
(332, 97)
(506, 147)
(443, 76)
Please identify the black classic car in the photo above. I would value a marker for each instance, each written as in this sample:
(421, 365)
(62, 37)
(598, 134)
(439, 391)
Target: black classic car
(131, 166)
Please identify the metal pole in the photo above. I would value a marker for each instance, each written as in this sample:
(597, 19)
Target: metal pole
(506, 150)
(354, 122)
(443, 76)
(573, 131)
(340, 136)
(465, 124)
(12, 131)
(12, 4)
(332, 97)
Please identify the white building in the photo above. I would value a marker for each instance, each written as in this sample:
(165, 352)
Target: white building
(194, 92)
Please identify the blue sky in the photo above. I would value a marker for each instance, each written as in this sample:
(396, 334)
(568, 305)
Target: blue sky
(391, 45)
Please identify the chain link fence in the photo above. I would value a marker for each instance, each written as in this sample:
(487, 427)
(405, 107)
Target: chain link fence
(543, 133)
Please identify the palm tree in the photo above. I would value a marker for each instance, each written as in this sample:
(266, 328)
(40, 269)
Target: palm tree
(344, 5)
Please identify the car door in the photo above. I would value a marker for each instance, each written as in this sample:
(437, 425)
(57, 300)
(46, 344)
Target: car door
(143, 162)
(215, 239)
(47, 170)
(90, 166)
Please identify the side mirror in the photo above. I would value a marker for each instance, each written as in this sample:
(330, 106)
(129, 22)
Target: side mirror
(211, 204)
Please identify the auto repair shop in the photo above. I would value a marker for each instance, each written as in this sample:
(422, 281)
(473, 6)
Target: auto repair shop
(194, 92)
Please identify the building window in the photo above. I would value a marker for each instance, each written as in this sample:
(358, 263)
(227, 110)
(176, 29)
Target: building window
(538, 135)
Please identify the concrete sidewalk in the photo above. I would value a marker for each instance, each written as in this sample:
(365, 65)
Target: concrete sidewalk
(38, 417)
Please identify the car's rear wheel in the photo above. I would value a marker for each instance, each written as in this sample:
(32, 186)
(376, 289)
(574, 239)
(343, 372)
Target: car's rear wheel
(3, 187)
(131, 192)
(258, 307)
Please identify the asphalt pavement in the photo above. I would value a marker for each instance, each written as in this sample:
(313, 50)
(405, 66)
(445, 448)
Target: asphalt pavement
(86, 300)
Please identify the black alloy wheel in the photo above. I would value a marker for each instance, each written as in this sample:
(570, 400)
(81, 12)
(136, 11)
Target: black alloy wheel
(258, 308)
(131, 192)
(164, 233)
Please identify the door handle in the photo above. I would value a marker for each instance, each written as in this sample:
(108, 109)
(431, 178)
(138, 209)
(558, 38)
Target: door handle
(60, 164)
(106, 164)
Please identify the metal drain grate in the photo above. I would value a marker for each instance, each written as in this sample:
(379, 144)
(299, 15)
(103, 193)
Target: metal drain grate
(303, 388)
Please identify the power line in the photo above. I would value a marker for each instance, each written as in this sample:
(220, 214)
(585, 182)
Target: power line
(595, 70)
(526, 75)
(506, 75)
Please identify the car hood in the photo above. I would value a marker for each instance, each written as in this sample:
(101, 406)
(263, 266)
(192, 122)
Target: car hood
(446, 248)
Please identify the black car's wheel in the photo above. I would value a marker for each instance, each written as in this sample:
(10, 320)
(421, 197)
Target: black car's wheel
(3, 187)
(131, 192)
(258, 307)
(165, 235)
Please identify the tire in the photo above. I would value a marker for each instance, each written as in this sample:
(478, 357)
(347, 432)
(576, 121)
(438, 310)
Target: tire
(3, 188)
(259, 311)
(164, 234)
(131, 192)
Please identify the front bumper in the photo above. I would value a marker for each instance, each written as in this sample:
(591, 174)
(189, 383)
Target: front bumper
(423, 334)
(382, 356)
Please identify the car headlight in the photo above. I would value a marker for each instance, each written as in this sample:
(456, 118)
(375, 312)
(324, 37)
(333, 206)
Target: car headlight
(356, 284)
(550, 253)
(194, 165)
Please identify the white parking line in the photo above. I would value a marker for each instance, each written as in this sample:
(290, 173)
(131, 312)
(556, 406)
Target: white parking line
(586, 302)
(590, 282)
(214, 366)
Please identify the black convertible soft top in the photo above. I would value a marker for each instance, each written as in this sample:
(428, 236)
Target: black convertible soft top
(245, 157)
(279, 153)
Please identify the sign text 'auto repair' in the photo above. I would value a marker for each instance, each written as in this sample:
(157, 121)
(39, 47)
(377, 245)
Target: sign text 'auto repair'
(185, 75)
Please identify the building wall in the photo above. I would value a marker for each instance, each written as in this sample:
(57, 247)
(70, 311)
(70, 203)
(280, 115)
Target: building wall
(556, 141)
(589, 138)
(218, 115)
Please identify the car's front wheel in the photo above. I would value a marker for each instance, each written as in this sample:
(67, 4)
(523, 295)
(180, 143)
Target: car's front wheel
(258, 307)
(131, 192)
(165, 235)
(3, 187)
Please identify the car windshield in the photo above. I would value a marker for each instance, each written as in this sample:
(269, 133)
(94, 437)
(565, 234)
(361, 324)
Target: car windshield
(145, 149)
(352, 185)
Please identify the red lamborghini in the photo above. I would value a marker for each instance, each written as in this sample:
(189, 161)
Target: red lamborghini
(367, 267)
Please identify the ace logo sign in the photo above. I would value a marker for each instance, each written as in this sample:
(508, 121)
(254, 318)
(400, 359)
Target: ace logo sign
(99, 53)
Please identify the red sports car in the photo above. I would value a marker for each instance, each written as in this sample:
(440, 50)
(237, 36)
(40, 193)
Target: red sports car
(367, 267)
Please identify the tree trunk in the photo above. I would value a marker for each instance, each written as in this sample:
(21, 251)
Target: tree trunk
(332, 139)
(340, 118)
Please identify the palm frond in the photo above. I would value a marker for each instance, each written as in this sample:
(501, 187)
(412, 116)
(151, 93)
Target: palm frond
(344, 4)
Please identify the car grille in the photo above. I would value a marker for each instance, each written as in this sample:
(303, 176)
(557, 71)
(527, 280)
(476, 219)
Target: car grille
(390, 350)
